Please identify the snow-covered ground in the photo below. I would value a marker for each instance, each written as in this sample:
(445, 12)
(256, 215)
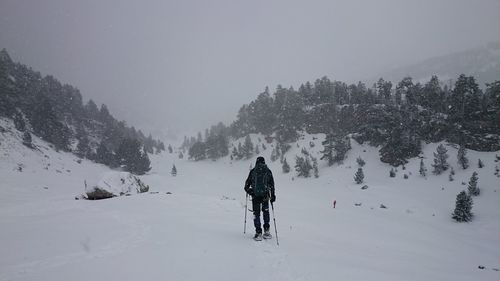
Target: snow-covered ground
(196, 232)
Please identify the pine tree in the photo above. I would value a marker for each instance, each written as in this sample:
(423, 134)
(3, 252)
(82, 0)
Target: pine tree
(462, 157)
(360, 161)
(342, 146)
(181, 155)
(328, 149)
(47, 125)
(235, 154)
(240, 153)
(83, 148)
(27, 141)
(465, 99)
(303, 166)
(198, 151)
(257, 151)
(173, 172)
(19, 122)
(472, 187)
(248, 147)
(423, 169)
(104, 156)
(463, 207)
(132, 157)
(143, 164)
(275, 154)
(359, 176)
(170, 149)
(480, 163)
(285, 167)
(452, 173)
(440, 164)
(315, 168)
(216, 145)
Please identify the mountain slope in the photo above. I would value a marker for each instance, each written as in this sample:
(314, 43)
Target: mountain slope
(195, 233)
(483, 63)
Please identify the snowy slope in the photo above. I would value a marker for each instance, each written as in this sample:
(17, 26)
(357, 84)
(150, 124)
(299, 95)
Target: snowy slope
(196, 232)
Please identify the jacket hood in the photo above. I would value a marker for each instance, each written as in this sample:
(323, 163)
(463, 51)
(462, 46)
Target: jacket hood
(260, 160)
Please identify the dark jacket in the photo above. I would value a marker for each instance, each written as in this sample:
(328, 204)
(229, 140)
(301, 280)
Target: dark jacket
(250, 182)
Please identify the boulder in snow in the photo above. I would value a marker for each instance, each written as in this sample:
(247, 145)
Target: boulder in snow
(114, 184)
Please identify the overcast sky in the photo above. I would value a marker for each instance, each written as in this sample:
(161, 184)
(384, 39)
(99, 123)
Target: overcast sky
(170, 64)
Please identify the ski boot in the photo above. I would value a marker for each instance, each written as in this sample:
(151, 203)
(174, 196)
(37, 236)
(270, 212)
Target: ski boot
(267, 234)
(257, 237)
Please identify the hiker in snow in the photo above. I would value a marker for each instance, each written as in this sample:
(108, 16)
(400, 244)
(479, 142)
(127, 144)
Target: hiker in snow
(260, 185)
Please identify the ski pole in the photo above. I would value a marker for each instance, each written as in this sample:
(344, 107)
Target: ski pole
(275, 229)
(245, 226)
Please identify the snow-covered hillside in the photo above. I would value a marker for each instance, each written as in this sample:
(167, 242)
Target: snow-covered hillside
(190, 227)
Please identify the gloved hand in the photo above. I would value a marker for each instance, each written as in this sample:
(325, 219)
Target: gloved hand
(273, 198)
(250, 191)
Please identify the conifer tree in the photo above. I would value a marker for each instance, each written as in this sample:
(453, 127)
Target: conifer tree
(173, 172)
(315, 167)
(480, 163)
(27, 141)
(198, 151)
(19, 122)
(285, 167)
(328, 149)
(170, 149)
(257, 151)
(440, 164)
(463, 207)
(248, 147)
(423, 169)
(240, 153)
(472, 187)
(104, 156)
(47, 125)
(181, 155)
(342, 145)
(303, 166)
(132, 157)
(83, 148)
(275, 154)
(452, 173)
(359, 176)
(392, 173)
(462, 157)
(360, 161)
(235, 154)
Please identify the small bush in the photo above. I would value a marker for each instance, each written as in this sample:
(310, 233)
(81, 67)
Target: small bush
(392, 173)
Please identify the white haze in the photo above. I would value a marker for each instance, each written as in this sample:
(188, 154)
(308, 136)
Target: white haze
(188, 64)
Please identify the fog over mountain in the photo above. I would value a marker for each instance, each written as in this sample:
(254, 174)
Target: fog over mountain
(177, 65)
(482, 62)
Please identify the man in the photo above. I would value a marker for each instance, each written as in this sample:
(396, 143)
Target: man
(260, 185)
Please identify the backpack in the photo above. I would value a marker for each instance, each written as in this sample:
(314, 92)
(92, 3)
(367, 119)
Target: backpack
(260, 175)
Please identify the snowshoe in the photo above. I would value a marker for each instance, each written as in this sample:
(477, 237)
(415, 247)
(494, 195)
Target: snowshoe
(257, 237)
(267, 235)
